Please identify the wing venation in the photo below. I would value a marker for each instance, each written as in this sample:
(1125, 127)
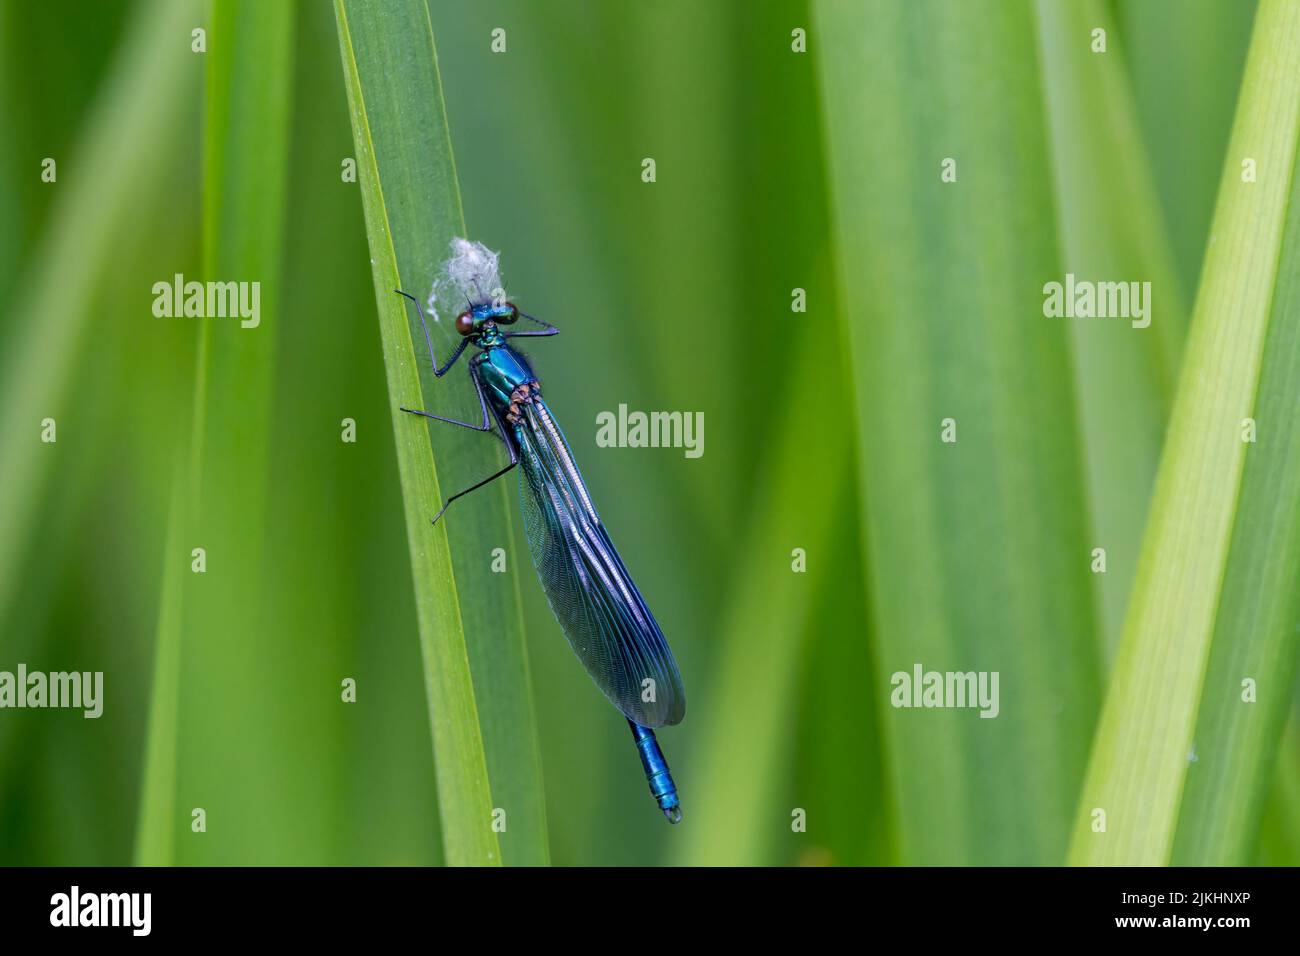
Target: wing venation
(603, 615)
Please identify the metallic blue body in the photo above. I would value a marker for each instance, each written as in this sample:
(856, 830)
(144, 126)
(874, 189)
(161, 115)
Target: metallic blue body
(661, 783)
(501, 369)
(600, 609)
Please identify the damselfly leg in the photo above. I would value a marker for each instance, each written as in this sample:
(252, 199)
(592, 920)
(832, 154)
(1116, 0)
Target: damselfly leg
(486, 426)
(546, 328)
(488, 416)
(514, 460)
(438, 372)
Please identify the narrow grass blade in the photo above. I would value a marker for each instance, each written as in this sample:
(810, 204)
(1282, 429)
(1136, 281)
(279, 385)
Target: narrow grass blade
(1249, 683)
(1279, 831)
(1111, 230)
(155, 834)
(1186, 117)
(1181, 761)
(784, 560)
(839, 772)
(746, 734)
(337, 501)
(471, 631)
(227, 763)
(117, 162)
(977, 548)
(81, 328)
(1184, 58)
(11, 199)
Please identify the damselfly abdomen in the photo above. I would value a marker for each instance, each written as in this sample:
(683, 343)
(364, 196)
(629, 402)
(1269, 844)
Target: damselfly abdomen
(600, 609)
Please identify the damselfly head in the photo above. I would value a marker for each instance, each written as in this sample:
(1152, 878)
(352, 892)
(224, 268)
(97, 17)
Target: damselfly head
(478, 317)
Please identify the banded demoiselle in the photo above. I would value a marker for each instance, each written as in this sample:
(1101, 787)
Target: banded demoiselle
(588, 587)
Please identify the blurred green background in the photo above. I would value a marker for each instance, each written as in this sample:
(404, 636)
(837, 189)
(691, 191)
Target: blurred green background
(674, 295)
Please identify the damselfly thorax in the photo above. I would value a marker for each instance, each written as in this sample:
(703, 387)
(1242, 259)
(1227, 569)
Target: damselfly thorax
(506, 377)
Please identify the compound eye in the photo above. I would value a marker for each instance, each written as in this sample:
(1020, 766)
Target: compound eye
(465, 323)
(511, 317)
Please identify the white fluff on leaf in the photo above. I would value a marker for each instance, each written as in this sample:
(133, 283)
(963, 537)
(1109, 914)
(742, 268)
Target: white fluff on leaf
(472, 276)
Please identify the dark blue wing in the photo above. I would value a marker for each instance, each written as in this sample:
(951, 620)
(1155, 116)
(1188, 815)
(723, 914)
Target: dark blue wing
(601, 611)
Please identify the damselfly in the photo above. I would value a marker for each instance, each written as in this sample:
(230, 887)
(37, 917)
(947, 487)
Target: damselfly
(592, 595)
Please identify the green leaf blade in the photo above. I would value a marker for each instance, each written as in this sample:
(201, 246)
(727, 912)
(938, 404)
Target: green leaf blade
(977, 549)
(1201, 523)
(480, 691)
(142, 104)
(221, 610)
(1111, 229)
